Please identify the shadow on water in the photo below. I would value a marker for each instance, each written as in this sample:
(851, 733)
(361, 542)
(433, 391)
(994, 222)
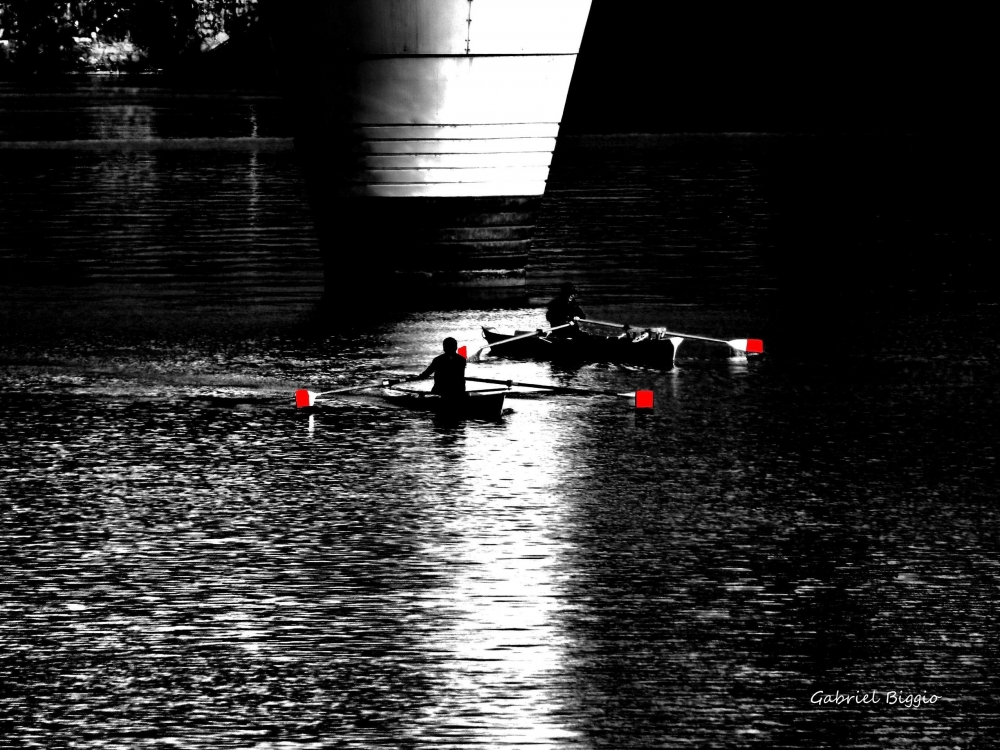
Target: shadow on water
(193, 214)
(863, 227)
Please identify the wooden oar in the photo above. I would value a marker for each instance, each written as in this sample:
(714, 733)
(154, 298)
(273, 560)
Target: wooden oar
(643, 399)
(477, 356)
(304, 398)
(752, 346)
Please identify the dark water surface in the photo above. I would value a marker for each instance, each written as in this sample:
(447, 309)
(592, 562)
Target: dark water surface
(187, 561)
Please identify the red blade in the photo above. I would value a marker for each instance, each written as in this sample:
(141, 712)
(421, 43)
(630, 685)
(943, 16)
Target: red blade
(303, 398)
(463, 351)
(755, 346)
(643, 399)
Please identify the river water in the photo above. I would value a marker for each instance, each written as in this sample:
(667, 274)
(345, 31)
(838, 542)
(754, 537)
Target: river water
(187, 561)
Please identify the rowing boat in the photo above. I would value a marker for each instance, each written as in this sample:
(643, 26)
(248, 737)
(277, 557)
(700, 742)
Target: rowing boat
(475, 404)
(647, 347)
(483, 404)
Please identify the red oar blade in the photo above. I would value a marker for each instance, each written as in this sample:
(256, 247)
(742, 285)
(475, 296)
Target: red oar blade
(643, 399)
(304, 398)
(463, 351)
(748, 346)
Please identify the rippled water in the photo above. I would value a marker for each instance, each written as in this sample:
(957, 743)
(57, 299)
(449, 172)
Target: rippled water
(186, 560)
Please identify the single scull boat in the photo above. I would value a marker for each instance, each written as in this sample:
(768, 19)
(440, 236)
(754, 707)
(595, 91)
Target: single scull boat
(474, 404)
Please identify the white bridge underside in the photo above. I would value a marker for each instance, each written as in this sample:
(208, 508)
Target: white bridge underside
(427, 129)
(451, 97)
(435, 126)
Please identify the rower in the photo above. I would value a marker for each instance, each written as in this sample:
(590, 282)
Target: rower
(448, 370)
(564, 308)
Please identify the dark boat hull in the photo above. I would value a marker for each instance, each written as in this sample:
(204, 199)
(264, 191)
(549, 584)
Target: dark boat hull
(473, 405)
(589, 347)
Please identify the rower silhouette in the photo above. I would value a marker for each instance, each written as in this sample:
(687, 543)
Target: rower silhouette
(564, 307)
(448, 370)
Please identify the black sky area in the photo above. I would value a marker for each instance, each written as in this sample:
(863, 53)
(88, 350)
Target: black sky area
(671, 67)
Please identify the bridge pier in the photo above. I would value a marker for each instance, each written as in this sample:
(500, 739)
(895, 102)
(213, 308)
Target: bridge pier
(426, 130)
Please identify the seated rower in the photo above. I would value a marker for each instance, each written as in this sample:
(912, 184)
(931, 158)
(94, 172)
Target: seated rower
(448, 370)
(564, 308)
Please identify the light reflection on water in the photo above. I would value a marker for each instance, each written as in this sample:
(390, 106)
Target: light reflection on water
(195, 560)
(200, 556)
(186, 560)
(501, 643)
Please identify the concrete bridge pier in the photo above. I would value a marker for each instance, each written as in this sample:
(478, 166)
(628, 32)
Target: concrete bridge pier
(426, 130)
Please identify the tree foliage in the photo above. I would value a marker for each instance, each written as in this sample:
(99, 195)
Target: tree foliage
(44, 36)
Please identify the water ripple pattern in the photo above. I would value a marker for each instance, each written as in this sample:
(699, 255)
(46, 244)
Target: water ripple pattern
(188, 561)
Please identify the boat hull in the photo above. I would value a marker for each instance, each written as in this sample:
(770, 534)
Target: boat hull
(588, 347)
(473, 405)
(426, 130)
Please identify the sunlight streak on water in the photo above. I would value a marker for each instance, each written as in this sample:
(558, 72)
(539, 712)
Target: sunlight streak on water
(503, 641)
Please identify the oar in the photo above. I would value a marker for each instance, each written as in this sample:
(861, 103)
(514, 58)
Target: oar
(304, 398)
(752, 346)
(643, 399)
(477, 357)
